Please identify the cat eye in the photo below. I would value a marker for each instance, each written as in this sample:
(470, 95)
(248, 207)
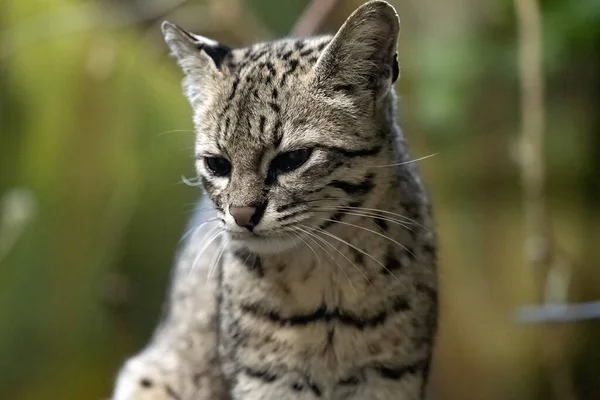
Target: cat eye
(290, 160)
(218, 165)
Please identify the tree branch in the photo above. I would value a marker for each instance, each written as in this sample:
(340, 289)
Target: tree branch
(313, 17)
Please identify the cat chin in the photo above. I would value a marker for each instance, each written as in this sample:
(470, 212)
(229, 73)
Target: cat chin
(266, 245)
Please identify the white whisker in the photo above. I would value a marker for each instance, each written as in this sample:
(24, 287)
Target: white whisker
(342, 254)
(174, 131)
(405, 162)
(372, 231)
(310, 236)
(215, 260)
(355, 248)
(193, 231)
(365, 214)
(188, 182)
(204, 248)
(309, 246)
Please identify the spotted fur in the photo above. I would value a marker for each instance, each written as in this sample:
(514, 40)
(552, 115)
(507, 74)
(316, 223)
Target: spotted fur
(332, 293)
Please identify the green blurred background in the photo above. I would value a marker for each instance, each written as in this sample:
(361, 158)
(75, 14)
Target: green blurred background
(95, 136)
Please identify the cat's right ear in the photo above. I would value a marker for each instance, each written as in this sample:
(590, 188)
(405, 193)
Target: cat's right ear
(200, 58)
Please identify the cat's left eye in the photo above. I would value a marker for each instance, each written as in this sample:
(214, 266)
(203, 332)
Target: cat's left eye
(219, 166)
(290, 160)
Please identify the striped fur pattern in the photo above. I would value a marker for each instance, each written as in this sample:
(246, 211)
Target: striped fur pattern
(332, 294)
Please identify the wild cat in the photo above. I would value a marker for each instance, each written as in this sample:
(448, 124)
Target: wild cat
(310, 270)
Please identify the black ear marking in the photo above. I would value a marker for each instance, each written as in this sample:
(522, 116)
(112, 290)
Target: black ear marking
(218, 53)
(395, 69)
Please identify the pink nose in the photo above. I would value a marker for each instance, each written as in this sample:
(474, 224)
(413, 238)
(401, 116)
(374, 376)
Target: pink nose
(243, 216)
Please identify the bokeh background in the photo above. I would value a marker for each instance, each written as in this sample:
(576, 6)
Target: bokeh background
(95, 136)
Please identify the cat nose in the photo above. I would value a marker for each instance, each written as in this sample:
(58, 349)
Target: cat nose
(243, 216)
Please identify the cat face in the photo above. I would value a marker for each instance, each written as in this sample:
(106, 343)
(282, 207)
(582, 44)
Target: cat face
(289, 132)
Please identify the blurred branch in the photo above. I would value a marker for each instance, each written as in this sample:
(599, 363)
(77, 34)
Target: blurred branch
(540, 250)
(559, 312)
(554, 269)
(538, 244)
(312, 17)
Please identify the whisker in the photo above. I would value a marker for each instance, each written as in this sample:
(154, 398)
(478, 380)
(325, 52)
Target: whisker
(204, 248)
(347, 244)
(309, 246)
(174, 131)
(310, 236)
(189, 182)
(372, 231)
(355, 248)
(196, 229)
(405, 162)
(365, 214)
(215, 260)
(408, 219)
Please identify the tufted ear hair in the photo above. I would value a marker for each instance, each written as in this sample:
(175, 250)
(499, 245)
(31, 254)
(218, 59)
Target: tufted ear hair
(362, 55)
(200, 58)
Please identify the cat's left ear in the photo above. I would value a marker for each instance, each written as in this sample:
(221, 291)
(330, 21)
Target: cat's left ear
(200, 58)
(362, 55)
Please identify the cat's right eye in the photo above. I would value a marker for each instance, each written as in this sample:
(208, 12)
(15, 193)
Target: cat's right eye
(219, 166)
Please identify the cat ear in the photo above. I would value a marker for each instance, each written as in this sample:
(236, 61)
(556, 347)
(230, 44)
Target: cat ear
(363, 52)
(200, 58)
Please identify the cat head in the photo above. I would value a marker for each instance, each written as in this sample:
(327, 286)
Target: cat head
(288, 132)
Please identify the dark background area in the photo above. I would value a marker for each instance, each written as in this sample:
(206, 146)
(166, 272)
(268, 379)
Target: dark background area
(95, 135)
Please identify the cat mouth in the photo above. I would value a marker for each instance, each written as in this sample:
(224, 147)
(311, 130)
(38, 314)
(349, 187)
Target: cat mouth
(267, 242)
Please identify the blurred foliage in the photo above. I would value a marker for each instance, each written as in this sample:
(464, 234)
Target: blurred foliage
(95, 135)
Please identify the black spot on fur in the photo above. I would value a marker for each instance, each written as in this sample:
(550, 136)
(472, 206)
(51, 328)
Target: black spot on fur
(275, 93)
(297, 387)
(336, 217)
(262, 375)
(275, 107)
(271, 68)
(146, 383)
(251, 261)
(398, 372)
(293, 64)
(258, 55)
(349, 153)
(306, 52)
(289, 216)
(359, 258)
(287, 55)
(315, 389)
(351, 380)
(391, 262)
(350, 188)
(427, 291)
(261, 124)
(172, 393)
(382, 224)
(322, 314)
(277, 134)
(234, 88)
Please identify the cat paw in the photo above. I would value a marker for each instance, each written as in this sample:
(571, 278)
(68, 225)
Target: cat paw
(150, 378)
